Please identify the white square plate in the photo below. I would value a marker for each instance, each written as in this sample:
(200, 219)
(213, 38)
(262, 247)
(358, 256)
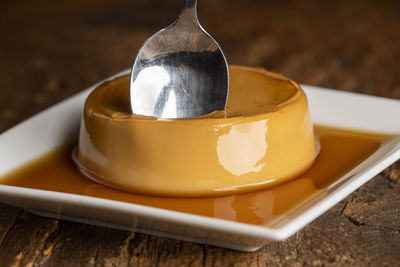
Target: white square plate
(51, 129)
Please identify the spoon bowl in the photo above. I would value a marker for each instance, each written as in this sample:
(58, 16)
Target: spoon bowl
(180, 71)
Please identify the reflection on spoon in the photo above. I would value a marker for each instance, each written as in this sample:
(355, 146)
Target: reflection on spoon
(146, 91)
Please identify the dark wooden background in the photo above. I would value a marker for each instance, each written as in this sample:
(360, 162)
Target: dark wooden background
(50, 50)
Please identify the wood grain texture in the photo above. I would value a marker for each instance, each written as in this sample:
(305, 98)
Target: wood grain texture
(50, 50)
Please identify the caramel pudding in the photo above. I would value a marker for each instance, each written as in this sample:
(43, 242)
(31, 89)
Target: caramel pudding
(263, 138)
(340, 152)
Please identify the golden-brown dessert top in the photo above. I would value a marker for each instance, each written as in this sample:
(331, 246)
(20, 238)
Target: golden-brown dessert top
(263, 97)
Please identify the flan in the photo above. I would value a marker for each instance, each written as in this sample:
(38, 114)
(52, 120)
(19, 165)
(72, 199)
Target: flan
(264, 137)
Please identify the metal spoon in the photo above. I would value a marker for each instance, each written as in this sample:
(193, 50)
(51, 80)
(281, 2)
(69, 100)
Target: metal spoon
(180, 71)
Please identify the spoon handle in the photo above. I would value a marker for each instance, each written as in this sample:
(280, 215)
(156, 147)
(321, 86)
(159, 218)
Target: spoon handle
(189, 11)
(189, 3)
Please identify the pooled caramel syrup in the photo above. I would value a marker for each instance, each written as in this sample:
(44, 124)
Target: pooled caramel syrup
(340, 151)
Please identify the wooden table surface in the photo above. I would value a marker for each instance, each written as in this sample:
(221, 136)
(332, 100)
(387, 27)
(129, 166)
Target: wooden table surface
(50, 50)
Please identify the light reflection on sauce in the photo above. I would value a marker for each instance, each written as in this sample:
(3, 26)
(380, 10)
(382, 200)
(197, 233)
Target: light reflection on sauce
(340, 151)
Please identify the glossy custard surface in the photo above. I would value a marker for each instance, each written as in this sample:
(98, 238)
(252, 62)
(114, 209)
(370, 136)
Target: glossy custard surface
(264, 137)
(340, 152)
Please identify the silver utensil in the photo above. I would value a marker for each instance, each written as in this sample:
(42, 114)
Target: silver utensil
(180, 71)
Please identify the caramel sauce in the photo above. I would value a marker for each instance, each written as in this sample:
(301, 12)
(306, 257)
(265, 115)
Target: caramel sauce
(340, 151)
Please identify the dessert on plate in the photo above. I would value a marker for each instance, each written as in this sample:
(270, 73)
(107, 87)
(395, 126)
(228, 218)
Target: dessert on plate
(264, 137)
